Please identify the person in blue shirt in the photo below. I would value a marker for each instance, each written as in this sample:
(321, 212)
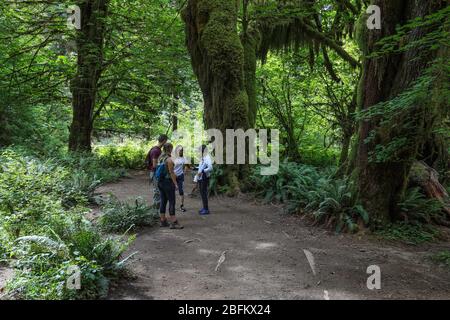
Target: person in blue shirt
(204, 172)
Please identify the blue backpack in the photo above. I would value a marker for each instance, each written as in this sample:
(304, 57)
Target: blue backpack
(161, 170)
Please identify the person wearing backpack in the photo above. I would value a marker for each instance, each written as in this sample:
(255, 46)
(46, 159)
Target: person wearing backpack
(167, 184)
(151, 161)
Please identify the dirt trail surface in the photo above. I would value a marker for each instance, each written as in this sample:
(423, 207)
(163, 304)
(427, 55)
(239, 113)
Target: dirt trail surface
(265, 257)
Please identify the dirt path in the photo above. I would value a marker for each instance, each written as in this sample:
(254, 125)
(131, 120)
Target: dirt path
(265, 258)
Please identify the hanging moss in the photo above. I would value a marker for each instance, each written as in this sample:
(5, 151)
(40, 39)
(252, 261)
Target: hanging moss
(219, 61)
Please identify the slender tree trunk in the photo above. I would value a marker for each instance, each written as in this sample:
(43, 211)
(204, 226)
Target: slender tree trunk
(381, 184)
(345, 149)
(90, 42)
(175, 101)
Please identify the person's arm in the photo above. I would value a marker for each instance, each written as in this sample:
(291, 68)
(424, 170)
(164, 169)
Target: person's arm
(170, 167)
(201, 167)
(208, 166)
(154, 162)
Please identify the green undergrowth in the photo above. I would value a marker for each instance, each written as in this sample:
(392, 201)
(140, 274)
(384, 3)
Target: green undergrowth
(118, 216)
(44, 235)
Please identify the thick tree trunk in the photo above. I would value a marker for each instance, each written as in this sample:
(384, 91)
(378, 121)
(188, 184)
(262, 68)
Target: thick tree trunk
(222, 65)
(381, 184)
(90, 41)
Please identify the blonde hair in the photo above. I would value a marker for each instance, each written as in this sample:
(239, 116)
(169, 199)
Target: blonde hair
(178, 149)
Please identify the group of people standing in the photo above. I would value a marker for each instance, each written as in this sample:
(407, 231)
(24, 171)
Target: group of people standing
(167, 175)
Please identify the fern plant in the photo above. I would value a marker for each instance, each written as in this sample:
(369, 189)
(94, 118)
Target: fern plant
(122, 216)
(306, 189)
(416, 207)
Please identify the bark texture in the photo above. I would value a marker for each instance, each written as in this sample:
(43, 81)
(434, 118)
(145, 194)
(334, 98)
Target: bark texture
(381, 185)
(84, 86)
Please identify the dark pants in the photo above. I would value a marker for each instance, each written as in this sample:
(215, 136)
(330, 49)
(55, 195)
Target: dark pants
(180, 182)
(167, 191)
(203, 184)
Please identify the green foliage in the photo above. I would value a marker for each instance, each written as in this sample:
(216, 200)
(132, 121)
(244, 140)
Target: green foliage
(416, 207)
(128, 156)
(216, 185)
(124, 216)
(305, 188)
(44, 232)
(408, 233)
(92, 167)
(435, 36)
(332, 202)
(442, 257)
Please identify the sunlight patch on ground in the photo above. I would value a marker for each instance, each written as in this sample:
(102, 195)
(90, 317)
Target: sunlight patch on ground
(265, 245)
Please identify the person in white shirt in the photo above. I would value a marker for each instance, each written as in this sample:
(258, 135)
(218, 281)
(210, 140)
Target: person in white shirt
(179, 168)
(204, 172)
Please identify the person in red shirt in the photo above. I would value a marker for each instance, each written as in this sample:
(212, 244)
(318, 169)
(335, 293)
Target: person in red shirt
(151, 161)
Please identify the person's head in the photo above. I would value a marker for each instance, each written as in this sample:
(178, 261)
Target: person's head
(162, 139)
(179, 152)
(167, 148)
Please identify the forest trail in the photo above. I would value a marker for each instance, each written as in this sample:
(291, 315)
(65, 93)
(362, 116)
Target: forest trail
(265, 257)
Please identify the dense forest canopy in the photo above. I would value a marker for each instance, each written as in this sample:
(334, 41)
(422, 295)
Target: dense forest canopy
(363, 112)
(290, 65)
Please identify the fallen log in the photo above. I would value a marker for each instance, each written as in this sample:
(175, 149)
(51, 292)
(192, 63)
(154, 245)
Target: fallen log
(427, 179)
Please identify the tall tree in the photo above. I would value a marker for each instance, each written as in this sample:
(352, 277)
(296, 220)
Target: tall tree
(218, 61)
(392, 138)
(224, 56)
(84, 87)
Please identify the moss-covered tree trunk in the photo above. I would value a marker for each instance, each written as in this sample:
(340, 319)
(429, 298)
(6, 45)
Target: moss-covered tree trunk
(224, 66)
(90, 43)
(381, 184)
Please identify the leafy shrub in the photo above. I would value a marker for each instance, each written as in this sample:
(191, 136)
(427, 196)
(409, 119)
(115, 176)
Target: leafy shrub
(292, 182)
(43, 230)
(128, 156)
(333, 203)
(122, 216)
(416, 207)
(442, 257)
(93, 166)
(217, 184)
(312, 191)
(4, 252)
(409, 233)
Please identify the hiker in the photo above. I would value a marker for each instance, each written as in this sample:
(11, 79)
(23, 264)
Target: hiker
(179, 169)
(204, 172)
(151, 162)
(167, 183)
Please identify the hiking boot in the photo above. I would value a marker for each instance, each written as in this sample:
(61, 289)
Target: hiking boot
(176, 225)
(164, 224)
(204, 212)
